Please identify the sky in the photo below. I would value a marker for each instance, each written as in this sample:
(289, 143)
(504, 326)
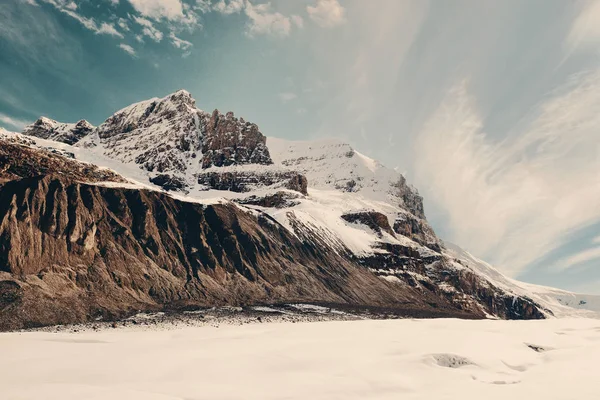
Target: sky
(490, 108)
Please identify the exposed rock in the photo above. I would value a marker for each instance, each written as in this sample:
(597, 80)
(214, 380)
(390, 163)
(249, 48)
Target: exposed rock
(411, 198)
(244, 181)
(81, 251)
(434, 274)
(377, 221)
(299, 183)
(46, 128)
(229, 141)
(169, 182)
(418, 230)
(276, 200)
(18, 161)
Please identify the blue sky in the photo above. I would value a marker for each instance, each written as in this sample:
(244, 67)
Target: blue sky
(489, 107)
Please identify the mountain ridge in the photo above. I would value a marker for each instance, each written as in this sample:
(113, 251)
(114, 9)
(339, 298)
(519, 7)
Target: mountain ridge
(363, 221)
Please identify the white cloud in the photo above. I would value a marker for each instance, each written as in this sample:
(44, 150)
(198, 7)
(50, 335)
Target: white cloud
(158, 9)
(596, 240)
(103, 29)
(180, 43)
(327, 13)
(579, 258)
(585, 30)
(287, 96)
(148, 29)
(123, 24)
(229, 7)
(13, 122)
(265, 21)
(514, 200)
(128, 49)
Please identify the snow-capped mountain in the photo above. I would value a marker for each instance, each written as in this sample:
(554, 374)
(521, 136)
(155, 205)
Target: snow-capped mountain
(46, 128)
(244, 219)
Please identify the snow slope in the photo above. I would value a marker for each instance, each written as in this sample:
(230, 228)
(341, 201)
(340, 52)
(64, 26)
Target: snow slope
(386, 359)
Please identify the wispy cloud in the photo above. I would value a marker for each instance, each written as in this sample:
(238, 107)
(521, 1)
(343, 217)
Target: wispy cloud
(287, 96)
(13, 123)
(579, 258)
(70, 8)
(512, 201)
(327, 13)
(148, 28)
(128, 49)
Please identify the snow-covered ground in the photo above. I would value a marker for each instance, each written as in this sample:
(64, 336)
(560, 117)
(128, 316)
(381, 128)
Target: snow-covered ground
(385, 359)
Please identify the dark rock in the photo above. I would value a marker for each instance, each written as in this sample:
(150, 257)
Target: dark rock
(244, 181)
(228, 141)
(78, 250)
(277, 200)
(375, 220)
(17, 161)
(169, 182)
(299, 183)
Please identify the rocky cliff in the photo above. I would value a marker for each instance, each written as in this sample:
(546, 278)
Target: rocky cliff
(72, 252)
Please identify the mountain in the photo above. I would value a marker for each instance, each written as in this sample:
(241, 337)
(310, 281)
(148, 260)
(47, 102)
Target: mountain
(167, 206)
(47, 128)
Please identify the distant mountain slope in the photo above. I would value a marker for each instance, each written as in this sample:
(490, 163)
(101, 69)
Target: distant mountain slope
(46, 128)
(213, 212)
(562, 303)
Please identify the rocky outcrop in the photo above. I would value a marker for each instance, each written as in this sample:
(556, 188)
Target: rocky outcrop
(169, 182)
(275, 200)
(71, 252)
(377, 221)
(245, 181)
(411, 198)
(46, 128)
(231, 141)
(19, 161)
(418, 230)
(298, 183)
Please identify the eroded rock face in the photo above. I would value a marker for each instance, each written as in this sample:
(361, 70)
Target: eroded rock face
(231, 141)
(46, 128)
(71, 252)
(18, 161)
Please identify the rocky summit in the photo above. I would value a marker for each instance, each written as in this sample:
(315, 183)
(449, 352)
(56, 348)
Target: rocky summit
(167, 207)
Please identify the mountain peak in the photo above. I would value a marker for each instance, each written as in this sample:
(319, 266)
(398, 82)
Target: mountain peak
(70, 133)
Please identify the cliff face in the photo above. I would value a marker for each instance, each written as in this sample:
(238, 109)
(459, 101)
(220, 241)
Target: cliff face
(71, 252)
